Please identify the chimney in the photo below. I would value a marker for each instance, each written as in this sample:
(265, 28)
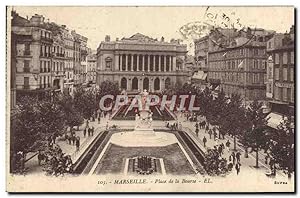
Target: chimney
(117, 39)
(107, 38)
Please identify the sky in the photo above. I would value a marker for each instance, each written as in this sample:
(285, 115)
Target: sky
(119, 22)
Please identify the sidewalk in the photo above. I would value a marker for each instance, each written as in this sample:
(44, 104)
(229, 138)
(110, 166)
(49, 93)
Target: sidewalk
(246, 163)
(32, 164)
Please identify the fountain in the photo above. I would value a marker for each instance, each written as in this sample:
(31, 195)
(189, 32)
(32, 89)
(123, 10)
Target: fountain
(143, 120)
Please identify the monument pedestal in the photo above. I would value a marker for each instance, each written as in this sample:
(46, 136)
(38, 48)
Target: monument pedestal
(143, 125)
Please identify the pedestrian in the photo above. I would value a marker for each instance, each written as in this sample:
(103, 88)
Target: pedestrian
(66, 137)
(54, 138)
(77, 143)
(84, 132)
(227, 145)
(223, 147)
(40, 157)
(73, 139)
(220, 149)
(206, 128)
(49, 141)
(87, 123)
(238, 157)
(70, 139)
(204, 141)
(106, 125)
(92, 130)
(238, 168)
(89, 132)
(230, 166)
(210, 133)
(266, 158)
(196, 125)
(197, 131)
(215, 134)
(233, 157)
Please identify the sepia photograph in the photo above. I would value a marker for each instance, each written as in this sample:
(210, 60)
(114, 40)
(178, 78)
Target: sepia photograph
(143, 99)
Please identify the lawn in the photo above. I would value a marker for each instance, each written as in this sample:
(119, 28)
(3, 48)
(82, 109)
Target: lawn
(114, 158)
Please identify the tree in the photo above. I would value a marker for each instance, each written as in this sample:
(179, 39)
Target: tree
(217, 109)
(282, 146)
(234, 120)
(107, 88)
(214, 164)
(205, 101)
(85, 102)
(255, 137)
(34, 120)
(71, 115)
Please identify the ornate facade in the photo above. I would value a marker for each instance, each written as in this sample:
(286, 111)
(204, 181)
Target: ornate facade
(141, 62)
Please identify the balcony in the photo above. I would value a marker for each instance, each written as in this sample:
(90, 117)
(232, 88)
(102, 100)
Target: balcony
(26, 70)
(50, 40)
(24, 53)
(26, 86)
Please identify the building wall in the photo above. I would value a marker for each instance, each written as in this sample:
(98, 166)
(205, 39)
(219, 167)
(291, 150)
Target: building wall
(141, 63)
(239, 70)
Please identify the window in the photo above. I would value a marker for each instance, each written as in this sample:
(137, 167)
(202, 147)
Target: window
(26, 66)
(292, 74)
(292, 57)
(269, 44)
(288, 94)
(284, 58)
(284, 74)
(276, 93)
(276, 73)
(108, 63)
(276, 58)
(26, 82)
(284, 93)
(270, 72)
(27, 49)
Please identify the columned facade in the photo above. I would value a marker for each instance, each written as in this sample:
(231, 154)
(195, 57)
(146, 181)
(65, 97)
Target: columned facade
(144, 64)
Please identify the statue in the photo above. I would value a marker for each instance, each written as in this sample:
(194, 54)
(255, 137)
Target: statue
(144, 118)
(144, 96)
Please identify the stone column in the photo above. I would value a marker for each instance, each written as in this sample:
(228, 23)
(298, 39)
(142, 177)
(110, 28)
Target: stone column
(159, 63)
(165, 63)
(148, 63)
(154, 62)
(116, 62)
(151, 83)
(126, 63)
(140, 82)
(128, 84)
(137, 62)
(174, 63)
(131, 62)
(121, 62)
(143, 62)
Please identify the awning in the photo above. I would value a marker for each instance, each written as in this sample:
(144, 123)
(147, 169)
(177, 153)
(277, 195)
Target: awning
(274, 120)
(200, 75)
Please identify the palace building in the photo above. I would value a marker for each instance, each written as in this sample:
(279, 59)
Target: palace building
(140, 62)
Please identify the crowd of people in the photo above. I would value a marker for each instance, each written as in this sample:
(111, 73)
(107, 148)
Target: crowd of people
(55, 161)
(173, 126)
(234, 159)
